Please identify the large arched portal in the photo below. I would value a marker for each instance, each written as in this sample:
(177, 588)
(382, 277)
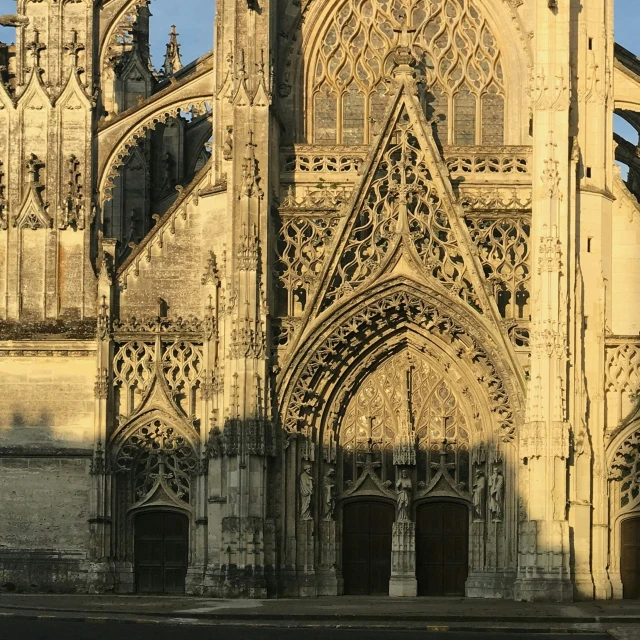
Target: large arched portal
(407, 436)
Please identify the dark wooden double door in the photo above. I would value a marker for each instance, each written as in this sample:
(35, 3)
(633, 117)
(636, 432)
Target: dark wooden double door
(161, 552)
(442, 541)
(630, 558)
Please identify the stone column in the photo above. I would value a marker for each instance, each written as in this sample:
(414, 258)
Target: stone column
(403, 560)
(100, 578)
(544, 566)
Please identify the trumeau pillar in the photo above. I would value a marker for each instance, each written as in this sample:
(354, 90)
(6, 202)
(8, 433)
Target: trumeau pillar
(45, 159)
(242, 124)
(544, 541)
(592, 63)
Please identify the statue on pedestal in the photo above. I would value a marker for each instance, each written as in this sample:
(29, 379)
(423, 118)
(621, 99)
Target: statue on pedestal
(306, 492)
(404, 487)
(478, 495)
(496, 494)
(329, 490)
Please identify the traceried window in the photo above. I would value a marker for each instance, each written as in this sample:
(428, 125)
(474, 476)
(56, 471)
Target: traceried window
(456, 52)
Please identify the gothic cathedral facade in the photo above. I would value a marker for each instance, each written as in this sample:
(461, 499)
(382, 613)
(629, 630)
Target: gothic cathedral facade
(348, 305)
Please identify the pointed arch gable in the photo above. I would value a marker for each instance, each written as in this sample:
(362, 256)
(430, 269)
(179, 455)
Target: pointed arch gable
(405, 198)
(373, 324)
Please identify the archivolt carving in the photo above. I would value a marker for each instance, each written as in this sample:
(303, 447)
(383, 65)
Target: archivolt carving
(157, 455)
(456, 50)
(374, 320)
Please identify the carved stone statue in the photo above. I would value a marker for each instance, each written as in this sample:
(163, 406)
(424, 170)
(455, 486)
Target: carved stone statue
(496, 494)
(404, 488)
(227, 148)
(13, 21)
(306, 493)
(478, 495)
(329, 490)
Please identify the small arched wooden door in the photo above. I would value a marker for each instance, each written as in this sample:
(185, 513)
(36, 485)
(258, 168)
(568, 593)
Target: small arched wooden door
(366, 547)
(630, 558)
(442, 548)
(161, 552)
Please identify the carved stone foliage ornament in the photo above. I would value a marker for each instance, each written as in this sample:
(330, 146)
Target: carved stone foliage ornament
(158, 455)
(625, 469)
(402, 201)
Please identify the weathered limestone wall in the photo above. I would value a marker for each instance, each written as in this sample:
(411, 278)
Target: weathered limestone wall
(46, 442)
(177, 262)
(625, 284)
(47, 403)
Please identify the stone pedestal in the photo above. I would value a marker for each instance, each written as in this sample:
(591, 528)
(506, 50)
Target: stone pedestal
(329, 578)
(403, 581)
(100, 577)
(306, 559)
(543, 567)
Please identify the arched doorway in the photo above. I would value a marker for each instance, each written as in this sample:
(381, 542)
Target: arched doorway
(442, 548)
(161, 548)
(366, 548)
(630, 558)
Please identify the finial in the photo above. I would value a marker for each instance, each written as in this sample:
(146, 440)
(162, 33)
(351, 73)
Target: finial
(172, 57)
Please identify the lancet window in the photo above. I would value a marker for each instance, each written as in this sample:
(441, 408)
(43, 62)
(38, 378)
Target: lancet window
(457, 55)
(406, 404)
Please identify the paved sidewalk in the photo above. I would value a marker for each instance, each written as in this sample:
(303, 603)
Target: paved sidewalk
(331, 609)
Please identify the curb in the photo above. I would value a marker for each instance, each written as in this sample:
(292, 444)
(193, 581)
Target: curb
(178, 621)
(338, 618)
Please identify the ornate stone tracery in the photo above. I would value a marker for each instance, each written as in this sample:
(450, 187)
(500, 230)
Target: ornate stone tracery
(402, 200)
(156, 454)
(456, 51)
(406, 406)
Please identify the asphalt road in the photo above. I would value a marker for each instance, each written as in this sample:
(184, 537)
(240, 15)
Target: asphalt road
(17, 629)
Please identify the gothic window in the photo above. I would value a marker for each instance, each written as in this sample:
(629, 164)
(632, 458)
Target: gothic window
(437, 111)
(353, 115)
(456, 52)
(492, 117)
